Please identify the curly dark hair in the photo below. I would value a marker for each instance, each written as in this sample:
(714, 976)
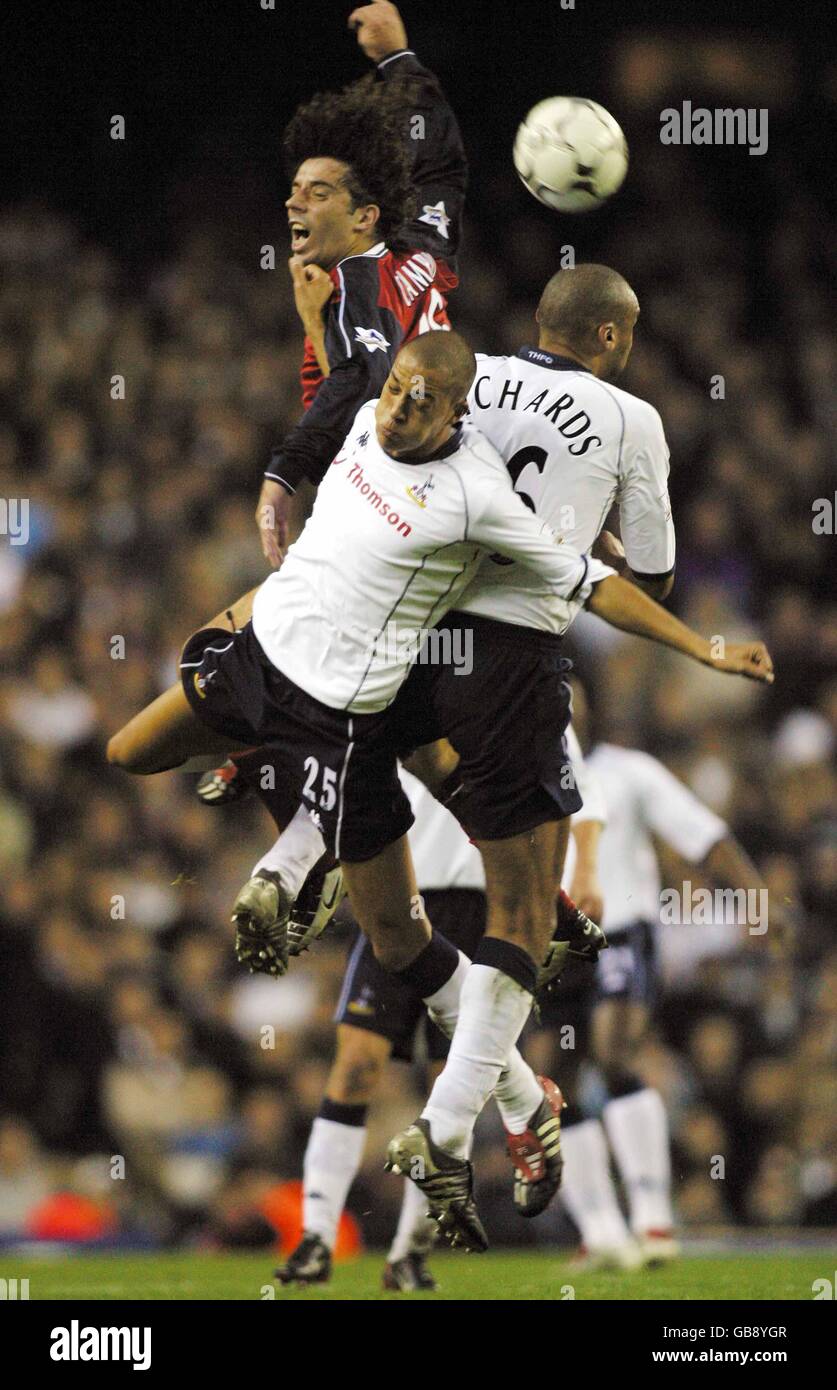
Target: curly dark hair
(363, 127)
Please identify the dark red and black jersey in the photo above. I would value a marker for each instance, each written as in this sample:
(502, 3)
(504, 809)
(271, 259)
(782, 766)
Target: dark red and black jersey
(381, 300)
(385, 296)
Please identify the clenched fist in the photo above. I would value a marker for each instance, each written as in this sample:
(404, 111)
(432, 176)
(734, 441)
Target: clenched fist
(313, 288)
(380, 29)
(750, 659)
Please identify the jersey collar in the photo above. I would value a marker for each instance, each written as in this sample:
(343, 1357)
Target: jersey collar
(378, 250)
(454, 443)
(542, 358)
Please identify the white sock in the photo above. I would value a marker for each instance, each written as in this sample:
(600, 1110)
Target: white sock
(518, 1093)
(443, 1006)
(416, 1231)
(493, 1010)
(637, 1127)
(295, 853)
(587, 1187)
(332, 1158)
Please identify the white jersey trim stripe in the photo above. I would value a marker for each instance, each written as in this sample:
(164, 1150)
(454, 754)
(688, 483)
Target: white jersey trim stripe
(275, 477)
(219, 650)
(342, 312)
(404, 53)
(374, 253)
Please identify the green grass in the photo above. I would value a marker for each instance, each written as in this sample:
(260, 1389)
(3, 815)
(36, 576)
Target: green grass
(519, 1276)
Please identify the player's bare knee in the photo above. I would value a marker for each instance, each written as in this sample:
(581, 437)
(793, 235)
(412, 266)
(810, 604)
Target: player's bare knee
(393, 953)
(396, 941)
(399, 951)
(123, 752)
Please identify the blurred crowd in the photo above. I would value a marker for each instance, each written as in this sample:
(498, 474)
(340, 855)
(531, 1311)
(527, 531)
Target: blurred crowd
(152, 1092)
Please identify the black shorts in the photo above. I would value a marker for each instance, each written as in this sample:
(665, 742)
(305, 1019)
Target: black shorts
(626, 970)
(376, 1001)
(345, 762)
(506, 718)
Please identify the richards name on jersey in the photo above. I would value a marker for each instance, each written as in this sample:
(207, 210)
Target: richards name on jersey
(490, 393)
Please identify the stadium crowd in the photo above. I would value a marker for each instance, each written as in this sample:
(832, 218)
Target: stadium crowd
(138, 408)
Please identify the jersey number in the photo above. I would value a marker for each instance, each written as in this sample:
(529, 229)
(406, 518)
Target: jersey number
(328, 795)
(428, 319)
(515, 466)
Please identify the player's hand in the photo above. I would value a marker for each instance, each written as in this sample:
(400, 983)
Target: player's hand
(272, 521)
(379, 28)
(750, 659)
(586, 892)
(610, 550)
(313, 288)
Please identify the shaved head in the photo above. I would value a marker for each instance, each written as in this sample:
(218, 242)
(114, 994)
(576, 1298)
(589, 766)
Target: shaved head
(577, 301)
(446, 356)
(425, 396)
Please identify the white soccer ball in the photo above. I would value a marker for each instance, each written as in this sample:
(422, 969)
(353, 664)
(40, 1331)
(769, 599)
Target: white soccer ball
(570, 153)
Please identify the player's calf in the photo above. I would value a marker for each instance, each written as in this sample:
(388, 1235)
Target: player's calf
(359, 1065)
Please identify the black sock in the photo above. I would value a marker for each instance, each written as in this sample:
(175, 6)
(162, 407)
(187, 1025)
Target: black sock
(432, 968)
(571, 1115)
(511, 959)
(342, 1114)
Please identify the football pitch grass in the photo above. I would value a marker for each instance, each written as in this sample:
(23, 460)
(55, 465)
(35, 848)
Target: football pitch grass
(512, 1275)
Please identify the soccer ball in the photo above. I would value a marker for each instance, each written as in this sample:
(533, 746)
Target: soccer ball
(570, 153)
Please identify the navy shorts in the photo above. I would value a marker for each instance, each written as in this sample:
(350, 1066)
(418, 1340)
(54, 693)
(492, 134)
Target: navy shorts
(376, 1001)
(506, 719)
(345, 763)
(626, 970)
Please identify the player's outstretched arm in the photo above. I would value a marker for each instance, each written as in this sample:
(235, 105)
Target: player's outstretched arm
(623, 605)
(729, 866)
(431, 132)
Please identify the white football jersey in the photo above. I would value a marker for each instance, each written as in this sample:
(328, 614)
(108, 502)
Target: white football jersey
(573, 446)
(443, 855)
(388, 549)
(644, 799)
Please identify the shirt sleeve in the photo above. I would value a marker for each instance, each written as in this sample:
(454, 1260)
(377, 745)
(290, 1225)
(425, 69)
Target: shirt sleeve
(506, 525)
(644, 505)
(440, 169)
(360, 334)
(673, 812)
(587, 784)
